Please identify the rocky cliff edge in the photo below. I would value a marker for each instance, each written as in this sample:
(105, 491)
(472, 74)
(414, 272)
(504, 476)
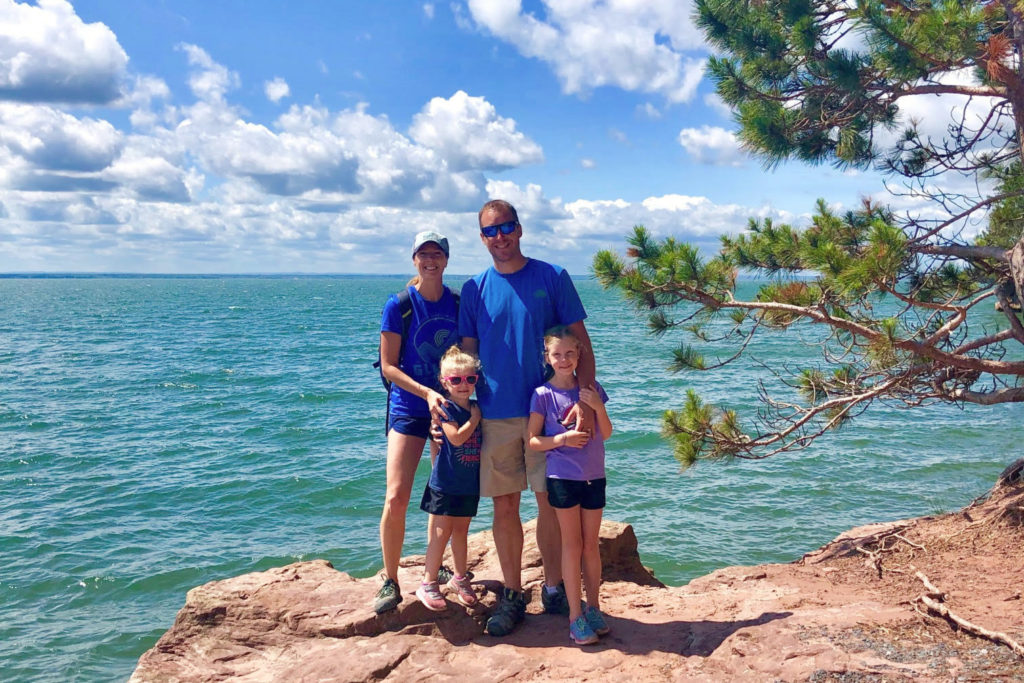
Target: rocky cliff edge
(854, 610)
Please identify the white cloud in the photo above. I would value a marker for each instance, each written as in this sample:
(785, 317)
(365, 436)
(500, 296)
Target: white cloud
(276, 89)
(468, 133)
(48, 54)
(562, 232)
(150, 178)
(618, 136)
(530, 202)
(588, 163)
(211, 81)
(712, 145)
(592, 43)
(49, 139)
(428, 10)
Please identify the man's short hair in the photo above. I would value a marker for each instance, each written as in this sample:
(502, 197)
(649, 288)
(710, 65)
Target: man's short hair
(498, 205)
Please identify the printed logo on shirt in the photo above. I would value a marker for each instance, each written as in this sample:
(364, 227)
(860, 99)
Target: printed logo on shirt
(540, 293)
(469, 452)
(430, 341)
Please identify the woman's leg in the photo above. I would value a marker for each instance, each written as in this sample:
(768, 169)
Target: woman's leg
(404, 453)
(591, 531)
(572, 548)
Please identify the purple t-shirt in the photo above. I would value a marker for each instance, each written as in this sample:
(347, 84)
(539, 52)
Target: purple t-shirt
(565, 462)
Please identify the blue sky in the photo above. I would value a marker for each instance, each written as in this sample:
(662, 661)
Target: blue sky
(181, 136)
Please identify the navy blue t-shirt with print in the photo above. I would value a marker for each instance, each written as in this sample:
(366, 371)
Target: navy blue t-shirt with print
(457, 468)
(431, 332)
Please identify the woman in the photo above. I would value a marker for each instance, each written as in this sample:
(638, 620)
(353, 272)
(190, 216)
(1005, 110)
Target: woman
(411, 365)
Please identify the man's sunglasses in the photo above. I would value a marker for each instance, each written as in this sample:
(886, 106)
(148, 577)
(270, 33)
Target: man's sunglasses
(456, 380)
(505, 229)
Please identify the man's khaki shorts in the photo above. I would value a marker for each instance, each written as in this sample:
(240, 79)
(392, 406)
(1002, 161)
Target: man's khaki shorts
(506, 464)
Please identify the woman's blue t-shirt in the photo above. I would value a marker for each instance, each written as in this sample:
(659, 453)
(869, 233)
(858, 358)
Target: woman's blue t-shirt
(431, 331)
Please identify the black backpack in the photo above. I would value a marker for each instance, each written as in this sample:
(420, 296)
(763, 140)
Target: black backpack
(405, 308)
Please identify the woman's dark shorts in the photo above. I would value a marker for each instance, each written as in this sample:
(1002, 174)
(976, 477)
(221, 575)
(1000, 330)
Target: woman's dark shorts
(410, 426)
(567, 493)
(449, 504)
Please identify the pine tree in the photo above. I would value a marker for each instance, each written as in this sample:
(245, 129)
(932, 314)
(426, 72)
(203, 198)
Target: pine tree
(821, 82)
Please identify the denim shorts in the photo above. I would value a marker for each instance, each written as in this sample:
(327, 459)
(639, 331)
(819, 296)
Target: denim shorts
(410, 426)
(568, 493)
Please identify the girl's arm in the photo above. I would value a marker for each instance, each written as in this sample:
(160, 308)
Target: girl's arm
(459, 435)
(538, 442)
(390, 345)
(593, 399)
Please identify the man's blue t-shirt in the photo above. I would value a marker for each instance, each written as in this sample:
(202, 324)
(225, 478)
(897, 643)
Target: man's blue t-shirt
(431, 332)
(508, 315)
(457, 468)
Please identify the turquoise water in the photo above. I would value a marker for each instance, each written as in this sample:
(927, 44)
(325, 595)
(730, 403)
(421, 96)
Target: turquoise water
(156, 434)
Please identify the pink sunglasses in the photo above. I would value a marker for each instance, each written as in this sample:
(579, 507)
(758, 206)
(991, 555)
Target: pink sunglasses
(456, 380)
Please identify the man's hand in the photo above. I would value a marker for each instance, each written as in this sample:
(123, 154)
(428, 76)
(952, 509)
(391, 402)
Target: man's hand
(582, 416)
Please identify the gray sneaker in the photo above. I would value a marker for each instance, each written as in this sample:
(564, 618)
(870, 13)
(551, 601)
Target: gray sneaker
(387, 597)
(555, 603)
(506, 616)
(444, 575)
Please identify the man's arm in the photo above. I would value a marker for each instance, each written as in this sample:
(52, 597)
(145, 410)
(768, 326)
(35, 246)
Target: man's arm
(472, 345)
(586, 371)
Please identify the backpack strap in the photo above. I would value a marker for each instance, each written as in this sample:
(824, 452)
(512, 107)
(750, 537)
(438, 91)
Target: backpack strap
(405, 308)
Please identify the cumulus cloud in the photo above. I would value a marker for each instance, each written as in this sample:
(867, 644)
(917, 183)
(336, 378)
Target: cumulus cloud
(209, 81)
(592, 43)
(51, 140)
(48, 54)
(529, 202)
(588, 163)
(567, 233)
(276, 90)
(468, 133)
(712, 145)
(150, 178)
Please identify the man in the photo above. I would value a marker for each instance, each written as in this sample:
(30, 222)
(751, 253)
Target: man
(504, 314)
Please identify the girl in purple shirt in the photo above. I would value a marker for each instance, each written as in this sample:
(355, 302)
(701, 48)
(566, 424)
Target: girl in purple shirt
(575, 478)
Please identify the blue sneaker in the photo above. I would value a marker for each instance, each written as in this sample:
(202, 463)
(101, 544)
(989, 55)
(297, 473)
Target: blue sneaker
(581, 633)
(596, 621)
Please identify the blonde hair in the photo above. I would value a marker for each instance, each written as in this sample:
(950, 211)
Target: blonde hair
(455, 357)
(558, 333)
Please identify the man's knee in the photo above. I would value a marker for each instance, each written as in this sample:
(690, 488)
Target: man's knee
(506, 507)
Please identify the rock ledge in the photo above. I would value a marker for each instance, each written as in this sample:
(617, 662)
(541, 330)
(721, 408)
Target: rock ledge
(827, 617)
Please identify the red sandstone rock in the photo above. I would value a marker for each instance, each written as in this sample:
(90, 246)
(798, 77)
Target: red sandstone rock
(825, 617)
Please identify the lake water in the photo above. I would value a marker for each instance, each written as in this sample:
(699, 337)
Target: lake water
(159, 433)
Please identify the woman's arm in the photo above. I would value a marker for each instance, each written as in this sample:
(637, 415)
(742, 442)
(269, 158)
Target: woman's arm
(538, 442)
(390, 346)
